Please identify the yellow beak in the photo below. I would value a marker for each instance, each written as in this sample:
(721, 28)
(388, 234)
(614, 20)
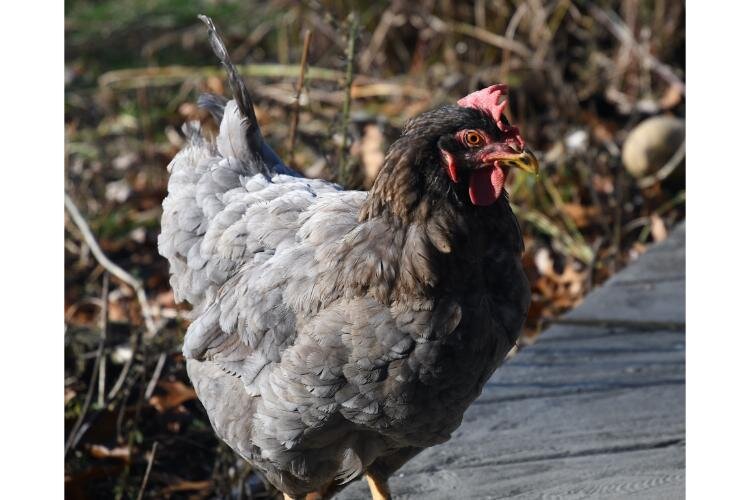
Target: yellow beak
(525, 160)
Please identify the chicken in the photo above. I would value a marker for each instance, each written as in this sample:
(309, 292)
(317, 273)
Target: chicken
(338, 333)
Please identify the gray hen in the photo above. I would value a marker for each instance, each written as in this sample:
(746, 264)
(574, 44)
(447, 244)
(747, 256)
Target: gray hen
(338, 333)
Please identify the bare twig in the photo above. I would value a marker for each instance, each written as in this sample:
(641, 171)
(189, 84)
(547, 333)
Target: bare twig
(387, 20)
(133, 78)
(110, 266)
(298, 92)
(343, 174)
(135, 343)
(570, 225)
(646, 220)
(104, 315)
(78, 429)
(132, 430)
(155, 377)
(620, 30)
(480, 34)
(544, 224)
(148, 470)
(510, 33)
(255, 36)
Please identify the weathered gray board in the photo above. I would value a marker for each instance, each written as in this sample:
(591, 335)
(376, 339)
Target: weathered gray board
(587, 412)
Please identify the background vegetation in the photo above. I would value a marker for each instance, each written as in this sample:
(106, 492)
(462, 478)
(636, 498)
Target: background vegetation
(583, 77)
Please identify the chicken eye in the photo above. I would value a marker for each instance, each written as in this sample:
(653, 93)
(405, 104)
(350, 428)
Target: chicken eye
(473, 138)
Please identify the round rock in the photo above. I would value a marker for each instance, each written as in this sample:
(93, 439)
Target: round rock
(651, 144)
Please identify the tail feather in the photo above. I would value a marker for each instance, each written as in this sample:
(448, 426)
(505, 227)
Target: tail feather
(239, 90)
(240, 134)
(239, 125)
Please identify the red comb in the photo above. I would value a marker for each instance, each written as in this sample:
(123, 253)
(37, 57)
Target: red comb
(491, 101)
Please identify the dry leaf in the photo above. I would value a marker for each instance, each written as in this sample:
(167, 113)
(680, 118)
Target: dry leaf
(658, 229)
(69, 394)
(175, 393)
(543, 262)
(186, 486)
(603, 184)
(561, 291)
(671, 98)
(582, 215)
(99, 451)
(118, 311)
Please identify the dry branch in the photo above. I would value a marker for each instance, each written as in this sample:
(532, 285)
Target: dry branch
(78, 429)
(480, 34)
(298, 92)
(620, 30)
(343, 174)
(155, 376)
(148, 470)
(110, 266)
(125, 79)
(103, 336)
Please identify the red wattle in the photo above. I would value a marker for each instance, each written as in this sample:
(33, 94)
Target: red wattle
(450, 166)
(486, 185)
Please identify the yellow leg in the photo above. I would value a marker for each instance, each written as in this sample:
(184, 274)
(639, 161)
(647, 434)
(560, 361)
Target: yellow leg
(315, 495)
(378, 487)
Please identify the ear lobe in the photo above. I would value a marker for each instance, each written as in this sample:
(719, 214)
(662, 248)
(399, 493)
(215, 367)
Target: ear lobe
(449, 163)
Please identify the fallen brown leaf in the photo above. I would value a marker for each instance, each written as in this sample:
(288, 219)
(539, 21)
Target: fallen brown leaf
(186, 486)
(658, 228)
(671, 97)
(582, 215)
(100, 451)
(69, 394)
(175, 393)
(561, 291)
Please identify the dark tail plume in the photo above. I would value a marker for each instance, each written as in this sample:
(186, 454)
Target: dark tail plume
(239, 91)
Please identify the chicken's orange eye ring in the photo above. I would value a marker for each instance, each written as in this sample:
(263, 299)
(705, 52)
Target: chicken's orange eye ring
(473, 138)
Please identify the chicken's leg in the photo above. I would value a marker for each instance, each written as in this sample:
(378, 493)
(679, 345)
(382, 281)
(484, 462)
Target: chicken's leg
(378, 487)
(315, 495)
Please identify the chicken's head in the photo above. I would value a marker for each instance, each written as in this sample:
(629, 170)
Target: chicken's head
(460, 154)
(484, 146)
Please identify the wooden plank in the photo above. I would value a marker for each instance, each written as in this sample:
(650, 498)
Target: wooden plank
(590, 411)
(650, 290)
(634, 474)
